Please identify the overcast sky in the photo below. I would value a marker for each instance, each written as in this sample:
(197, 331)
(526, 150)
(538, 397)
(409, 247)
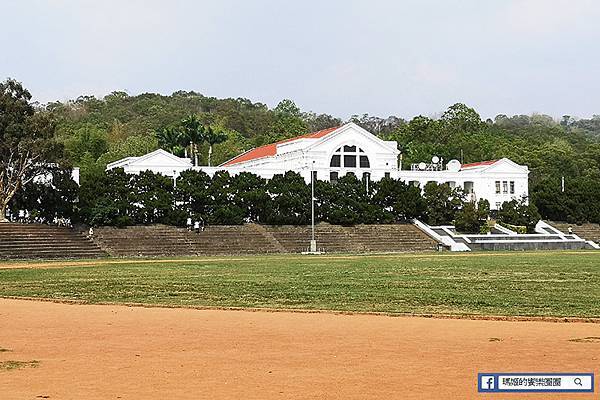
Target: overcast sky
(342, 57)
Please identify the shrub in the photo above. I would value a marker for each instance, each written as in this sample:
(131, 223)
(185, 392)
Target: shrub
(442, 203)
(519, 213)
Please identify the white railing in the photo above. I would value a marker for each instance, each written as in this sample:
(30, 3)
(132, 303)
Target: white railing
(445, 240)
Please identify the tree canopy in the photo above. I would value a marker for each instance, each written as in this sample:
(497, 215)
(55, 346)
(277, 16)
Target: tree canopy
(28, 148)
(96, 131)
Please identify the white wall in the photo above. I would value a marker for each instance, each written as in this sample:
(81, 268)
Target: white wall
(484, 181)
(308, 154)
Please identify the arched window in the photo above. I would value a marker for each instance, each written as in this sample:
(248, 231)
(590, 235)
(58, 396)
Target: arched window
(349, 157)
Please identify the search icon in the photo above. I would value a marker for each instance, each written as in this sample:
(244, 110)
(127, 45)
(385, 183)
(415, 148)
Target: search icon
(577, 381)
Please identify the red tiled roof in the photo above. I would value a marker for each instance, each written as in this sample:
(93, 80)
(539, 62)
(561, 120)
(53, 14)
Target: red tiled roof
(479, 164)
(271, 149)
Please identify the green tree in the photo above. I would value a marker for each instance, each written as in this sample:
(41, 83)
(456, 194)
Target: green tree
(213, 136)
(442, 203)
(288, 121)
(48, 199)
(460, 118)
(519, 213)
(88, 139)
(249, 193)
(27, 145)
(403, 202)
(193, 194)
(193, 133)
(346, 202)
(109, 200)
(471, 218)
(224, 210)
(290, 200)
(169, 138)
(153, 197)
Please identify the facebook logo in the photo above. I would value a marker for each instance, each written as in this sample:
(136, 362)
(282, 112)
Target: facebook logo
(491, 382)
(487, 383)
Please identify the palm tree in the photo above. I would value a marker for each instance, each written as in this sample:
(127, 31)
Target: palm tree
(213, 136)
(193, 134)
(168, 138)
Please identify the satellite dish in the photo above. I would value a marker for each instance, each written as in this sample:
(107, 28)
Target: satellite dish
(435, 159)
(453, 165)
(422, 166)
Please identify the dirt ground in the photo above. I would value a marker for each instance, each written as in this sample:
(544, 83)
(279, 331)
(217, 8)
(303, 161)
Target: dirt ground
(116, 352)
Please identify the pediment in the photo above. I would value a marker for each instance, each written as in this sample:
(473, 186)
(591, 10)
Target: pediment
(160, 158)
(506, 165)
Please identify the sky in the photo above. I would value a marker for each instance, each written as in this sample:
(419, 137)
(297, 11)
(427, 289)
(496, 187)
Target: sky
(346, 57)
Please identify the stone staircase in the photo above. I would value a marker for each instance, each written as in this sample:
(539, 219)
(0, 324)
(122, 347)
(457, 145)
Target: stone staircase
(584, 231)
(546, 237)
(353, 239)
(23, 241)
(161, 240)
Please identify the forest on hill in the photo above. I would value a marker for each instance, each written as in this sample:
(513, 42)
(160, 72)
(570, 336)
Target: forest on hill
(98, 131)
(119, 125)
(36, 140)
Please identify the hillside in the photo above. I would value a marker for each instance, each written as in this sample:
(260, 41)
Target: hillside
(98, 131)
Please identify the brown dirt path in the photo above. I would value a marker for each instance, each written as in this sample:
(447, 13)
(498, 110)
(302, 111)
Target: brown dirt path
(110, 352)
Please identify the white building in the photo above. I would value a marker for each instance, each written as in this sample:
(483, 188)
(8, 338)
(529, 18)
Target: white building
(349, 149)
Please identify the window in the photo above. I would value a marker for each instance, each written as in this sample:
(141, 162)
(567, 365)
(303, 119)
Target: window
(414, 183)
(349, 161)
(351, 174)
(505, 187)
(387, 174)
(333, 176)
(512, 187)
(349, 157)
(452, 184)
(364, 162)
(497, 187)
(335, 161)
(469, 187)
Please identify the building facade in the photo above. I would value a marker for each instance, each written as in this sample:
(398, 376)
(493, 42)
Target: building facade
(332, 153)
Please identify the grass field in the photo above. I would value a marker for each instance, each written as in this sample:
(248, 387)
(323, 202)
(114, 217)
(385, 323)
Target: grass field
(528, 284)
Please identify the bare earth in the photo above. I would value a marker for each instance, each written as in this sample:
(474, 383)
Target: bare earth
(111, 352)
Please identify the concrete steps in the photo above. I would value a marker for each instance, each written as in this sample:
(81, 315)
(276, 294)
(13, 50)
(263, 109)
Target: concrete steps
(160, 240)
(584, 231)
(359, 238)
(27, 241)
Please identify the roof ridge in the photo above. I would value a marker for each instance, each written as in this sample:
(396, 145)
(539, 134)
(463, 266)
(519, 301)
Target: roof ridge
(480, 163)
(270, 149)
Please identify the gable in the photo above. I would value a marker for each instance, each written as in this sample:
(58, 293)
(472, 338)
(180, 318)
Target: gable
(505, 165)
(355, 135)
(160, 158)
(318, 141)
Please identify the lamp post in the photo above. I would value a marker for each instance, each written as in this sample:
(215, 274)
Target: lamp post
(174, 178)
(313, 242)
